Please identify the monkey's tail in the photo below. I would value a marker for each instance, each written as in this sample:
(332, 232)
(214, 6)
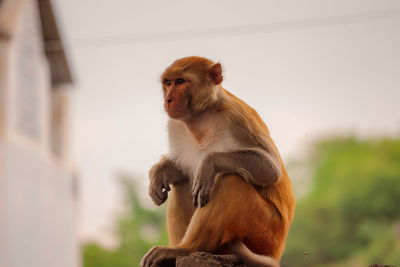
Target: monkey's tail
(250, 258)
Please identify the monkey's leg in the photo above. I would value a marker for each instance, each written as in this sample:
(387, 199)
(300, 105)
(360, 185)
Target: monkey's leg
(236, 211)
(179, 211)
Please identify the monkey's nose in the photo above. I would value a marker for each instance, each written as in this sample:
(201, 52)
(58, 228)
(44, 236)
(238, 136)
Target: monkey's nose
(168, 102)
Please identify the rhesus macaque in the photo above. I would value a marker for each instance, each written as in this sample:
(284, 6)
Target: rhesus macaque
(228, 189)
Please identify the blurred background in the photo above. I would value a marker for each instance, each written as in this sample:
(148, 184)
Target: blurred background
(82, 122)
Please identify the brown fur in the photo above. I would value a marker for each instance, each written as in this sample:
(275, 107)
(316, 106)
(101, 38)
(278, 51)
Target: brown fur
(246, 198)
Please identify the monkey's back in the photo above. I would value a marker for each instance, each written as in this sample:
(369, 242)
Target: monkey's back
(279, 195)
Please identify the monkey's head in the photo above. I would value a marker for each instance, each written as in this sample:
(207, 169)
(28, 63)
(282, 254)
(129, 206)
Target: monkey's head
(190, 86)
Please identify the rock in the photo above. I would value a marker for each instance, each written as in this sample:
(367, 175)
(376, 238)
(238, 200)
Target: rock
(201, 259)
(381, 265)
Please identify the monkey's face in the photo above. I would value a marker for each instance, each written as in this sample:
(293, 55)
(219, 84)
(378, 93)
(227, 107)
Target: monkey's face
(190, 86)
(177, 97)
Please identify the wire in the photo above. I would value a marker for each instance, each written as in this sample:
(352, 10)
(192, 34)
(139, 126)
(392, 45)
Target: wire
(249, 29)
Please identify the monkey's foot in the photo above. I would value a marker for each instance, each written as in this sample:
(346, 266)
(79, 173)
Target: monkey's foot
(158, 256)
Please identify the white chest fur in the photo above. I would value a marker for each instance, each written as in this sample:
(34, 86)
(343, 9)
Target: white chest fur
(188, 153)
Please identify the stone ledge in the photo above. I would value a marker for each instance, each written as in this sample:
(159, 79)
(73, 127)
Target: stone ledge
(200, 259)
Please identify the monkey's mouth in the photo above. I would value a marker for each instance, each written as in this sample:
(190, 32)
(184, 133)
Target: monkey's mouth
(174, 109)
(175, 112)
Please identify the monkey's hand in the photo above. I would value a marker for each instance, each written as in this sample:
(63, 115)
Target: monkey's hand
(162, 175)
(204, 181)
(161, 256)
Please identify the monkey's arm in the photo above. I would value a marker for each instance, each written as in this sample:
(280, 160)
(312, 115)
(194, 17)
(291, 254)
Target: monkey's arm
(255, 165)
(161, 176)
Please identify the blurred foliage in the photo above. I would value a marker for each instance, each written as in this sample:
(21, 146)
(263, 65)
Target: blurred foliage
(351, 217)
(137, 229)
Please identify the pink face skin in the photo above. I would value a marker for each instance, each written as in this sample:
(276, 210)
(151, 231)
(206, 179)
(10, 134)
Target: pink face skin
(175, 102)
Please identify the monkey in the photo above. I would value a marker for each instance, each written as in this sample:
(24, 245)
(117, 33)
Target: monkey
(227, 188)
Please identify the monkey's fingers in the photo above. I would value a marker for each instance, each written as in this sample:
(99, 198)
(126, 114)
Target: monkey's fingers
(194, 186)
(153, 196)
(195, 194)
(164, 196)
(156, 199)
(154, 259)
(145, 260)
(158, 195)
(157, 255)
(166, 186)
(204, 196)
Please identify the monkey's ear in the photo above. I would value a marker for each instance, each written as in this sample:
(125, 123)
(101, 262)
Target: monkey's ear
(215, 73)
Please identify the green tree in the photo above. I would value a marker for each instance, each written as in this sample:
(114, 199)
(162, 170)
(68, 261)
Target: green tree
(137, 229)
(352, 214)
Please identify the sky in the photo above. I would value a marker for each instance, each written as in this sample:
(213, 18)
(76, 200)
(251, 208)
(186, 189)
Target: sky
(310, 68)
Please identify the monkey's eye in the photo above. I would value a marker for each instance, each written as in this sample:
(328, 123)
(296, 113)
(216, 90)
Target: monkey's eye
(179, 81)
(167, 82)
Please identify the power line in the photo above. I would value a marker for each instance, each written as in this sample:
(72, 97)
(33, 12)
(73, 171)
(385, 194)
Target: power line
(249, 29)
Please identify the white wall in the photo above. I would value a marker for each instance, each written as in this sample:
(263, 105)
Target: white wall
(37, 202)
(3, 84)
(29, 81)
(37, 211)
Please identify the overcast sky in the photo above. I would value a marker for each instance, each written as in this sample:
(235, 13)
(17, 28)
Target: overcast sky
(310, 68)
